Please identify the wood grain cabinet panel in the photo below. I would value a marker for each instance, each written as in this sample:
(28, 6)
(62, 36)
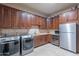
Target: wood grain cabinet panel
(41, 40)
(24, 20)
(20, 22)
(1, 16)
(29, 20)
(69, 16)
(78, 15)
(36, 41)
(57, 22)
(49, 38)
(40, 22)
(37, 22)
(72, 16)
(33, 20)
(43, 23)
(53, 26)
(6, 17)
(14, 18)
(63, 18)
(46, 39)
(54, 23)
(49, 22)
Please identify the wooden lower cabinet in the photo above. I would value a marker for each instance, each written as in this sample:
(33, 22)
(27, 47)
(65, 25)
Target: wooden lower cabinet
(49, 38)
(41, 40)
(36, 41)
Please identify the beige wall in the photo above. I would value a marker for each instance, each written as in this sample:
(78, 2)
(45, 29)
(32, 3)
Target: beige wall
(18, 31)
(13, 31)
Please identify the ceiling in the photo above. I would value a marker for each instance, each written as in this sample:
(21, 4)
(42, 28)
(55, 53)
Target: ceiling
(45, 9)
(49, 8)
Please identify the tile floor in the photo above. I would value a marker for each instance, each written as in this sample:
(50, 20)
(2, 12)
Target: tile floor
(50, 50)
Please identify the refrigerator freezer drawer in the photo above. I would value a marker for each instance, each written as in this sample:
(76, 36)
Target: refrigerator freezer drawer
(67, 27)
(68, 41)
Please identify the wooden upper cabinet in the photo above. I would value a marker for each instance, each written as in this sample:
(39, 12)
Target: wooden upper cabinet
(63, 18)
(24, 19)
(54, 23)
(6, 17)
(72, 16)
(33, 21)
(29, 20)
(49, 23)
(14, 18)
(1, 16)
(78, 15)
(43, 23)
(57, 22)
(37, 20)
(20, 22)
(69, 16)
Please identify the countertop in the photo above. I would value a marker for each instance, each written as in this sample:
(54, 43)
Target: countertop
(37, 34)
(46, 34)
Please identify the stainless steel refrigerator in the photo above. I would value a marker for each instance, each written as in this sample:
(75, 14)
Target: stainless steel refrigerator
(69, 36)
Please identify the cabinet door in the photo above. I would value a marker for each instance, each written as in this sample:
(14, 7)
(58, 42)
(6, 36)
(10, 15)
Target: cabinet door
(24, 19)
(37, 41)
(53, 24)
(49, 38)
(44, 40)
(63, 18)
(39, 21)
(57, 23)
(78, 15)
(6, 17)
(14, 18)
(36, 19)
(72, 16)
(29, 20)
(1, 16)
(49, 23)
(20, 22)
(33, 20)
(69, 16)
(42, 23)
(41, 40)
